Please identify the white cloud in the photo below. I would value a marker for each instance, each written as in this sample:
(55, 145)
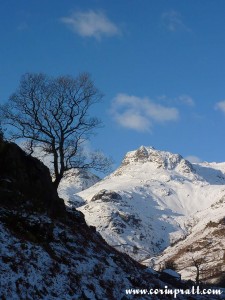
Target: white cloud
(172, 21)
(221, 106)
(193, 159)
(133, 120)
(140, 113)
(91, 24)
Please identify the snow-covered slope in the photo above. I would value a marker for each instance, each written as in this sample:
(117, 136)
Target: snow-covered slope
(205, 245)
(75, 181)
(144, 205)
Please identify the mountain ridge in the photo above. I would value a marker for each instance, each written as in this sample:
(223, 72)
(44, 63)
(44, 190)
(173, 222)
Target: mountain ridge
(158, 192)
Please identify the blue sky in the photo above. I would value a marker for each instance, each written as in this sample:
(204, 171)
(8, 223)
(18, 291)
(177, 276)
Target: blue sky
(159, 63)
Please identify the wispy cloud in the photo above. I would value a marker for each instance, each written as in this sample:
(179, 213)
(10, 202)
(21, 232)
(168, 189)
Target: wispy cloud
(179, 100)
(140, 113)
(173, 21)
(193, 159)
(91, 24)
(220, 106)
(186, 99)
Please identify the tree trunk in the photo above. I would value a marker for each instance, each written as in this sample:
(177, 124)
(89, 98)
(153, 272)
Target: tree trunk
(197, 274)
(57, 181)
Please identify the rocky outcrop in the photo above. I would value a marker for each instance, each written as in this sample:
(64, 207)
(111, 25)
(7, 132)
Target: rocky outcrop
(107, 196)
(25, 182)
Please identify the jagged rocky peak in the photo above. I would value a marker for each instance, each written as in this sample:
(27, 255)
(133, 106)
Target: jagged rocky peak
(163, 159)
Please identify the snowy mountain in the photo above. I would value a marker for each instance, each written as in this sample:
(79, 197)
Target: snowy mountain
(146, 204)
(47, 251)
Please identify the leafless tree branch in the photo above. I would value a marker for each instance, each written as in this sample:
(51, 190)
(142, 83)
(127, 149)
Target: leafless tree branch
(54, 113)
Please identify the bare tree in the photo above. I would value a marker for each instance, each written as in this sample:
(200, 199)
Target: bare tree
(198, 264)
(53, 114)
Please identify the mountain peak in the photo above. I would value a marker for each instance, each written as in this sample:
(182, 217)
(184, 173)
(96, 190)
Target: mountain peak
(164, 159)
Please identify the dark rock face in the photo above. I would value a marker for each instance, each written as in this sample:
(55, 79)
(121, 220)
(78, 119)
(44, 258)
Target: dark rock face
(107, 196)
(26, 182)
